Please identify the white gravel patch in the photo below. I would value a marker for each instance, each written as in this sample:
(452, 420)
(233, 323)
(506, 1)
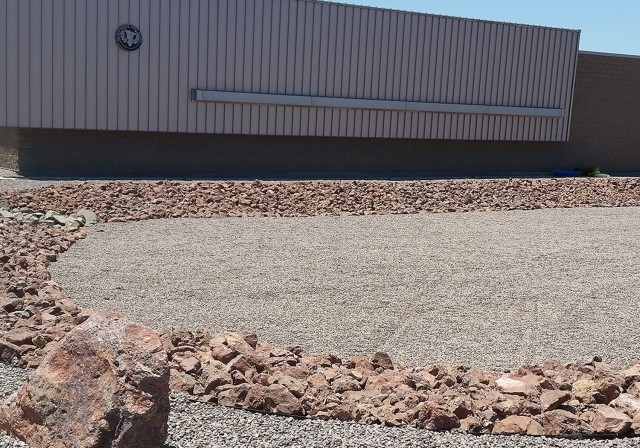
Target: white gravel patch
(492, 289)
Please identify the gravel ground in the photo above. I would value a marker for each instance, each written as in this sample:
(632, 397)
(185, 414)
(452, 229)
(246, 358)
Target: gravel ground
(494, 289)
(200, 425)
(11, 378)
(10, 180)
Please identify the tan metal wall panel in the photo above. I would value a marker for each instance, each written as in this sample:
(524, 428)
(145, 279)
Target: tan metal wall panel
(63, 69)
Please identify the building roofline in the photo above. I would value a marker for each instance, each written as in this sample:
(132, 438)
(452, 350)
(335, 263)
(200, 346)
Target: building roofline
(469, 19)
(611, 55)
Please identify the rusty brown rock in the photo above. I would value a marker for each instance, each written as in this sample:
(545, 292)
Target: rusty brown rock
(552, 399)
(273, 398)
(610, 421)
(20, 336)
(223, 353)
(635, 425)
(631, 375)
(627, 403)
(429, 415)
(214, 374)
(381, 360)
(359, 362)
(344, 383)
(564, 423)
(515, 386)
(188, 364)
(295, 386)
(606, 390)
(251, 339)
(233, 396)
(105, 385)
(634, 389)
(318, 381)
(471, 424)
(518, 425)
(181, 382)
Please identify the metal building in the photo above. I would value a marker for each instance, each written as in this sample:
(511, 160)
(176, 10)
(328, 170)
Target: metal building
(281, 67)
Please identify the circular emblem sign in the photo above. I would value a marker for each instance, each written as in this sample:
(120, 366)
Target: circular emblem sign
(129, 37)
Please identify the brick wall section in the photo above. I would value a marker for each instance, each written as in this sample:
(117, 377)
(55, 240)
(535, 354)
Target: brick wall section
(605, 133)
(605, 126)
(8, 148)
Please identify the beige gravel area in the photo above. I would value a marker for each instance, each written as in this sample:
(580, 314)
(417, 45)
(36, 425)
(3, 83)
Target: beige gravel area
(494, 289)
(11, 180)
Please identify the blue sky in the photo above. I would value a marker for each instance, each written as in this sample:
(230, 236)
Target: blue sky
(611, 26)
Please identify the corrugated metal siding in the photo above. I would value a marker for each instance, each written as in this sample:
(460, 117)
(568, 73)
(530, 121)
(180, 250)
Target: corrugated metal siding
(63, 69)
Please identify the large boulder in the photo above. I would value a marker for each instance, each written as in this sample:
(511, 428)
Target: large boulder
(105, 385)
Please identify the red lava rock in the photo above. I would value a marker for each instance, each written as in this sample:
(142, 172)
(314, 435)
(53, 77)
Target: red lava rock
(381, 360)
(223, 354)
(515, 386)
(627, 403)
(552, 399)
(273, 398)
(234, 396)
(189, 364)
(610, 421)
(181, 382)
(106, 384)
(635, 426)
(435, 417)
(214, 375)
(518, 425)
(561, 422)
(295, 386)
(20, 336)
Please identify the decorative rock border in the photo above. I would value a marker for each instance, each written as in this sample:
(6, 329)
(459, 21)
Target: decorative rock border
(590, 398)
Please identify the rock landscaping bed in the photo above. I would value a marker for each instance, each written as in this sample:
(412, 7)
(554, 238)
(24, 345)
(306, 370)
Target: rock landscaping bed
(585, 398)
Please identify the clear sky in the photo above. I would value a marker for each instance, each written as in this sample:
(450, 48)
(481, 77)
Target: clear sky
(611, 26)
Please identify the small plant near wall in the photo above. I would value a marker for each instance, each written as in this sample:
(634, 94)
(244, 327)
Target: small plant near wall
(592, 171)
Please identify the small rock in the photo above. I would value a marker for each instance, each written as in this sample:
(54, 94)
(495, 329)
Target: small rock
(518, 425)
(552, 399)
(214, 375)
(251, 339)
(516, 387)
(90, 218)
(635, 426)
(610, 421)
(181, 382)
(381, 360)
(627, 403)
(189, 364)
(564, 423)
(429, 415)
(20, 336)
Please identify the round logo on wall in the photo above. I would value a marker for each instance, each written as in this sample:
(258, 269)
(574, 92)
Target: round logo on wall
(129, 37)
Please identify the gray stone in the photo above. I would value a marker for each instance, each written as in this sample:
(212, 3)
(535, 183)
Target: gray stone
(90, 218)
